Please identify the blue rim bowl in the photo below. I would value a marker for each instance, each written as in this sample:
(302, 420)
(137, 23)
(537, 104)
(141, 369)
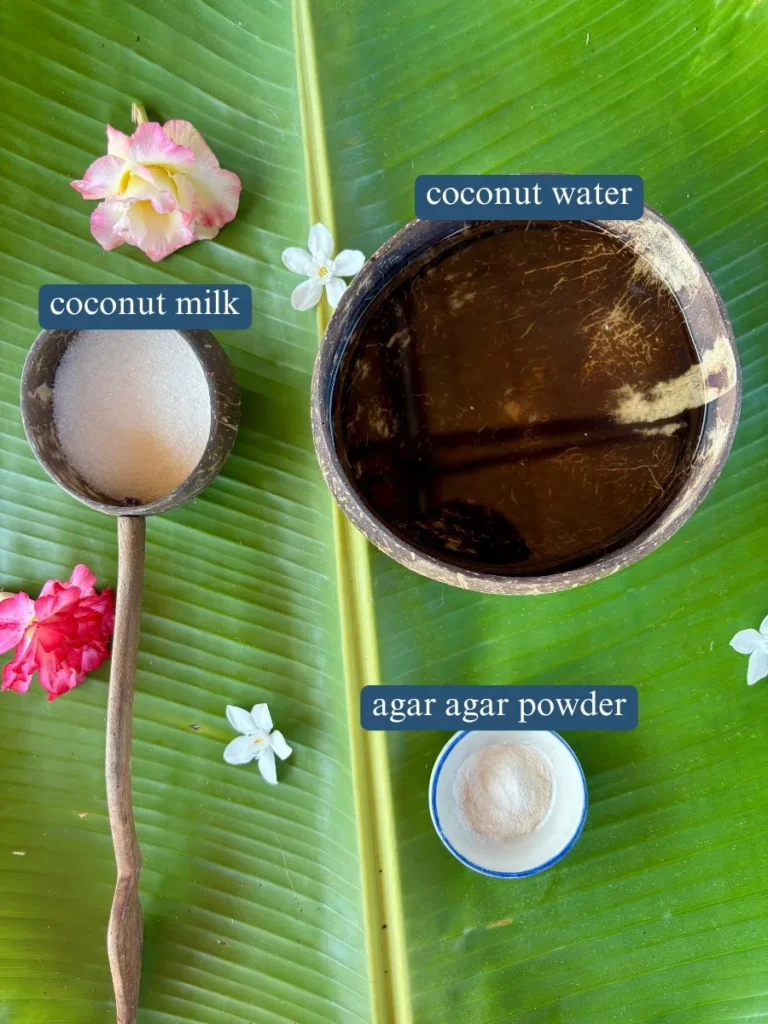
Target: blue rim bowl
(523, 855)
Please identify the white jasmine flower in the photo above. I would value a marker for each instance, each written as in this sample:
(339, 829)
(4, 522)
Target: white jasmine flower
(320, 268)
(258, 742)
(754, 643)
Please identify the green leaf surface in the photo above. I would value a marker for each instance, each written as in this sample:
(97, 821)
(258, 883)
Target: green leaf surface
(262, 905)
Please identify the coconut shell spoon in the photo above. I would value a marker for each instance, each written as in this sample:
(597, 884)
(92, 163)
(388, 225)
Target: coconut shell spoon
(124, 935)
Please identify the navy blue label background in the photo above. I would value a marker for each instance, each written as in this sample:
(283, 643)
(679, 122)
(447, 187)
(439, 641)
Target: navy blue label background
(238, 294)
(549, 208)
(511, 720)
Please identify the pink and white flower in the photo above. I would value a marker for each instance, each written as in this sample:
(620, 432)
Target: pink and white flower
(161, 187)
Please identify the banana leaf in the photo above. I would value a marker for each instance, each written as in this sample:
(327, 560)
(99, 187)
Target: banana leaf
(329, 898)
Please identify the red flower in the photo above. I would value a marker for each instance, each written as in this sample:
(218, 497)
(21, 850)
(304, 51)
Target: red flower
(63, 634)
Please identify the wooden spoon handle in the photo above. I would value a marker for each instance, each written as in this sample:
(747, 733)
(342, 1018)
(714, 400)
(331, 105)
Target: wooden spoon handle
(124, 937)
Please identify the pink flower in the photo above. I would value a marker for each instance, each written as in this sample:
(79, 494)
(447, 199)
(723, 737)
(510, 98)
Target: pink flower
(62, 635)
(162, 188)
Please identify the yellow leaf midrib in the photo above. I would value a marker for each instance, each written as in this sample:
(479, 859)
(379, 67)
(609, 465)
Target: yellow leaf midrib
(379, 868)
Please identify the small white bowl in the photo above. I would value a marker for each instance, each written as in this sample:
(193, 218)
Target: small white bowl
(523, 855)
